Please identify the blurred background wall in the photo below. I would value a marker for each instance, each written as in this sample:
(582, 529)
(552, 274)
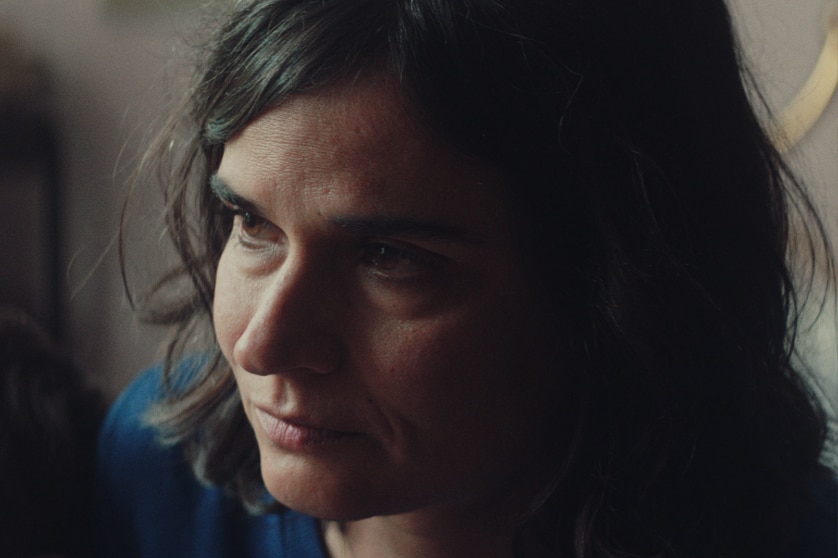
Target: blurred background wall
(111, 67)
(782, 41)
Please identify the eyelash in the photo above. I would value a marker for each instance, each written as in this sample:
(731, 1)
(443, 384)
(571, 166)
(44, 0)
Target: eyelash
(246, 220)
(249, 221)
(420, 262)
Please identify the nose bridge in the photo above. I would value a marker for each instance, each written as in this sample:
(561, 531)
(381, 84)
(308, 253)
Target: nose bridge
(291, 326)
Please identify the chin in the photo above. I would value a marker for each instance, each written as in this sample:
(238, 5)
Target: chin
(326, 505)
(325, 495)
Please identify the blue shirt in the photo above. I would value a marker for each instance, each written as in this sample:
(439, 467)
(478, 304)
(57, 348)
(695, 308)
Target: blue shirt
(152, 506)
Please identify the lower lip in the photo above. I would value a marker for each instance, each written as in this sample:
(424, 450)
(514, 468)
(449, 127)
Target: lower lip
(296, 437)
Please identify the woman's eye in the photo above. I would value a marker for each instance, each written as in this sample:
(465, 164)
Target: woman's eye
(396, 262)
(251, 224)
(253, 229)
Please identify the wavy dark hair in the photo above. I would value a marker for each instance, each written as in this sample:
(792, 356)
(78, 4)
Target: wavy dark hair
(649, 201)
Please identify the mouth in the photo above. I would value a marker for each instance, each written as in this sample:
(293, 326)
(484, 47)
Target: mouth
(297, 435)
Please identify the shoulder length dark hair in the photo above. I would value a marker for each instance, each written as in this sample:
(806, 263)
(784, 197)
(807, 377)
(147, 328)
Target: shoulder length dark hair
(652, 208)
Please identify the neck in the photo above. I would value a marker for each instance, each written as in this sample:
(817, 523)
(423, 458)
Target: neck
(383, 538)
(442, 532)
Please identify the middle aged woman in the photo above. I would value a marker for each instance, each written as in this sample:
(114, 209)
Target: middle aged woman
(476, 278)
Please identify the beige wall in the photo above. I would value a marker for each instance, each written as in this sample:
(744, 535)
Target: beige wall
(111, 72)
(782, 41)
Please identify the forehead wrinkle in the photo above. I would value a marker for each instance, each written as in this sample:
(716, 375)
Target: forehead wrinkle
(328, 144)
(345, 135)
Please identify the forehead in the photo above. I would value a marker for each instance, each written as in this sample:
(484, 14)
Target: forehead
(364, 145)
(349, 124)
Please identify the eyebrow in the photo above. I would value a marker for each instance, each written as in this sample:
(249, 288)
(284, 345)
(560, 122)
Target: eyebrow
(362, 226)
(387, 226)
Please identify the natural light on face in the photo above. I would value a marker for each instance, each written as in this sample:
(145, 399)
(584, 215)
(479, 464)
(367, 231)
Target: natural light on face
(375, 312)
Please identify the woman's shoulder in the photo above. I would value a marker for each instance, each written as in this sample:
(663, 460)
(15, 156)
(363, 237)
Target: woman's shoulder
(151, 505)
(126, 440)
(125, 417)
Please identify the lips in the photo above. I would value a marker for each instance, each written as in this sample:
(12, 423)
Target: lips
(295, 434)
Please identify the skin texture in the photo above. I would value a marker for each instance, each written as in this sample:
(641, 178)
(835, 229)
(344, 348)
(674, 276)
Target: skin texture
(372, 304)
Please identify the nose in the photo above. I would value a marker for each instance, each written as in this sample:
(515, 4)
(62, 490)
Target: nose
(293, 324)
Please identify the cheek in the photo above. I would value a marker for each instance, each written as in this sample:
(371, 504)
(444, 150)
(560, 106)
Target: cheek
(230, 311)
(466, 402)
(478, 372)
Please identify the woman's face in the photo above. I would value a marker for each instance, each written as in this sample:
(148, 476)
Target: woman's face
(375, 312)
